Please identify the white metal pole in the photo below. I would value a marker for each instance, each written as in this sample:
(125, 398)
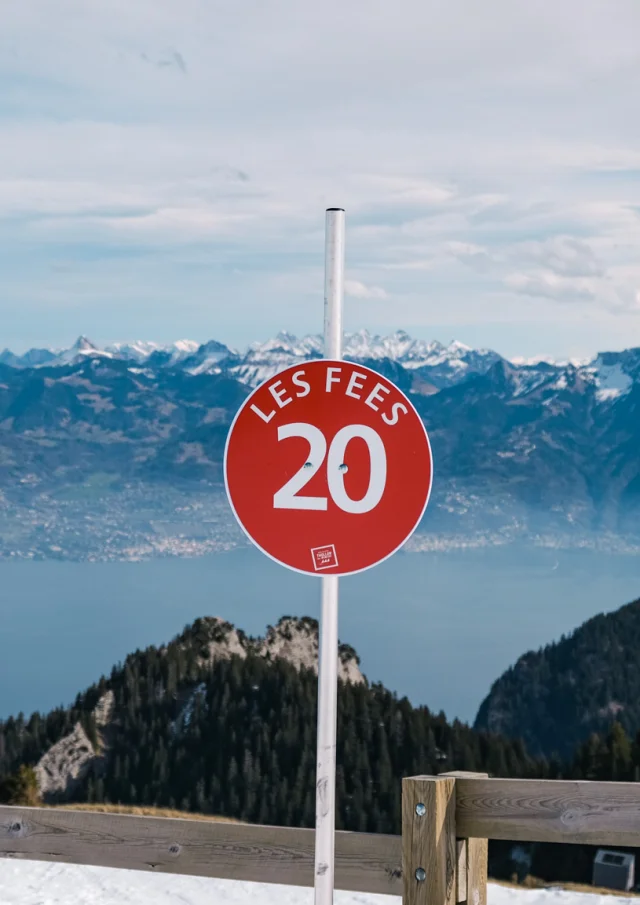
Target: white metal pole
(328, 663)
(333, 282)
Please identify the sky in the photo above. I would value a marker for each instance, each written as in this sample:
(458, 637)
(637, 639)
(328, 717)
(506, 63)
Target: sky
(165, 166)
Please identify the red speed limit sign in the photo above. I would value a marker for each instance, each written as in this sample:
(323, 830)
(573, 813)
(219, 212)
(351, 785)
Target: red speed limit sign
(328, 468)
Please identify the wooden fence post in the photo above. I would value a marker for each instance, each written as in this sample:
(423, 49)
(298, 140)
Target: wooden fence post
(472, 859)
(429, 854)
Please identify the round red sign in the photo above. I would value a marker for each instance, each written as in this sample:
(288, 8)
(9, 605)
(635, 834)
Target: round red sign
(328, 468)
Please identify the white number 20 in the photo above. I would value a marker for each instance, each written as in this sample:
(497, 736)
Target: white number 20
(286, 497)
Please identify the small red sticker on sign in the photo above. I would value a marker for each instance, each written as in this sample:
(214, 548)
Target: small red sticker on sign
(324, 557)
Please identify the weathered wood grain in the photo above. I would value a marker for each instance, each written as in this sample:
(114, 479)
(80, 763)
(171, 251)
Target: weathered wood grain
(477, 866)
(473, 809)
(474, 861)
(429, 841)
(364, 863)
(461, 877)
(529, 810)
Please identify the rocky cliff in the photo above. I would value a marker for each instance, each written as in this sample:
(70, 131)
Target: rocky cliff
(65, 765)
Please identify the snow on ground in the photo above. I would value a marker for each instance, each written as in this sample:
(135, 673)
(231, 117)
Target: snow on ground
(39, 883)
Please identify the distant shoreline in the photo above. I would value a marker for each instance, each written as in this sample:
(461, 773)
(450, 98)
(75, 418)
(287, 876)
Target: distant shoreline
(188, 548)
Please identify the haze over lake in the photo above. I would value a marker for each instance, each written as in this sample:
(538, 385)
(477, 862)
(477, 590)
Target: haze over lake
(436, 627)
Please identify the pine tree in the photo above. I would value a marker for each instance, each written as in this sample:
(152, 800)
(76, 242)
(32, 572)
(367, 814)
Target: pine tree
(619, 754)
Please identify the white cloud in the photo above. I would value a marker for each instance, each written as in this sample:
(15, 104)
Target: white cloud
(399, 190)
(601, 292)
(562, 255)
(213, 135)
(474, 256)
(545, 284)
(360, 290)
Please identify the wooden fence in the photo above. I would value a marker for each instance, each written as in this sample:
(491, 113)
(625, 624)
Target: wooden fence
(441, 858)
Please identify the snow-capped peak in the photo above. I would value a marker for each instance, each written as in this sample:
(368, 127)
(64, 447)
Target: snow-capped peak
(611, 378)
(82, 348)
(450, 362)
(523, 361)
(207, 358)
(436, 365)
(139, 350)
(456, 346)
(82, 344)
(187, 346)
(289, 344)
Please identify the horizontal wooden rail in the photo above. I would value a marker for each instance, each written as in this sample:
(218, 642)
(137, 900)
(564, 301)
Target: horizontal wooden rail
(446, 822)
(531, 810)
(203, 848)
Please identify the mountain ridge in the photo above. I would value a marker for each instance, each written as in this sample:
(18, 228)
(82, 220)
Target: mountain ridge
(543, 453)
(245, 725)
(195, 725)
(65, 765)
(446, 365)
(556, 697)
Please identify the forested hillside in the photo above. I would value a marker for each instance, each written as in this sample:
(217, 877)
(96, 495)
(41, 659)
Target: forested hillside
(204, 724)
(220, 723)
(556, 697)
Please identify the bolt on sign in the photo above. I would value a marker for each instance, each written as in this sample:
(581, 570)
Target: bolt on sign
(328, 468)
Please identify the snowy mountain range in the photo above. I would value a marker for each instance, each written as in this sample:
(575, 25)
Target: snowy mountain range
(432, 365)
(261, 358)
(536, 450)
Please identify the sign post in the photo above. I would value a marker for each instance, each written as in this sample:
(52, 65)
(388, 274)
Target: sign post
(328, 635)
(328, 470)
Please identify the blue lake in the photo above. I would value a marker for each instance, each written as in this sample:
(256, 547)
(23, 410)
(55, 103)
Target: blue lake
(436, 627)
